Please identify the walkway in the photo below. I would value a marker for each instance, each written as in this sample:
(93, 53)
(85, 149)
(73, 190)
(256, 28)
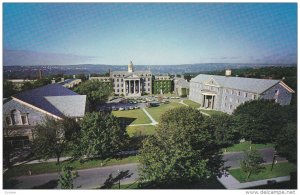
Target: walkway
(153, 122)
(181, 102)
(230, 182)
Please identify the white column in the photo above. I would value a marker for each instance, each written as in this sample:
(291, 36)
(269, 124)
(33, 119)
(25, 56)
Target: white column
(129, 87)
(139, 86)
(134, 86)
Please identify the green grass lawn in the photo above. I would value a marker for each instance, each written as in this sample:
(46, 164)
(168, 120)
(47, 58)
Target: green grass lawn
(212, 112)
(132, 116)
(191, 103)
(140, 130)
(280, 169)
(156, 112)
(246, 146)
(51, 167)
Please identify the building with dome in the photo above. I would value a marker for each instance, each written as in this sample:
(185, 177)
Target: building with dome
(131, 83)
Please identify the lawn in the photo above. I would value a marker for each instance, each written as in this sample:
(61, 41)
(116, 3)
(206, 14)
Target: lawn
(246, 146)
(140, 130)
(51, 167)
(280, 169)
(132, 116)
(212, 112)
(156, 112)
(191, 103)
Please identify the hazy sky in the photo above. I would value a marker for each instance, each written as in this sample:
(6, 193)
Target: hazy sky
(176, 33)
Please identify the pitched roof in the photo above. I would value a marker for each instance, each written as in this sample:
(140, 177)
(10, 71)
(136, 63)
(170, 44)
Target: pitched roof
(37, 98)
(70, 106)
(182, 83)
(240, 83)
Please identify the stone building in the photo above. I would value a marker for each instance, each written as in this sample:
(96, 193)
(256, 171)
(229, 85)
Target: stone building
(226, 93)
(181, 87)
(23, 111)
(131, 83)
(162, 84)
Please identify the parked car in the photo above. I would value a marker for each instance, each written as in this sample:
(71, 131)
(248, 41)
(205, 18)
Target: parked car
(136, 107)
(114, 108)
(121, 108)
(131, 108)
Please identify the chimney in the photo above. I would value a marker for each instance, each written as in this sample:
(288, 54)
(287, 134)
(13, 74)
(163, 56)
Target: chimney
(228, 72)
(53, 81)
(62, 79)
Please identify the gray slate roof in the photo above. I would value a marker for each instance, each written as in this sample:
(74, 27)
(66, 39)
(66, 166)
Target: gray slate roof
(182, 83)
(36, 97)
(70, 106)
(240, 83)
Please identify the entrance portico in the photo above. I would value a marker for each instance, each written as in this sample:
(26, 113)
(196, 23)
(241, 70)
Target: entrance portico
(208, 100)
(132, 86)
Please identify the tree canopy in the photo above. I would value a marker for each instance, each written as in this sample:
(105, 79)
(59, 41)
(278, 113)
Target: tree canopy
(52, 137)
(286, 142)
(252, 164)
(97, 92)
(101, 135)
(182, 150)
(259, 120)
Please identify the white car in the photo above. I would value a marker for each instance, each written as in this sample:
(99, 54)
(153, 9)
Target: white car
(121, 108)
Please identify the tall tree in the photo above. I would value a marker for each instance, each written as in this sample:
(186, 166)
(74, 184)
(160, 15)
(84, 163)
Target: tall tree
(252, 164)
(182, 150)
(101, 135)
(286, 142)
(97, 92)
(259, 120)
(52, 137)
(224, 132)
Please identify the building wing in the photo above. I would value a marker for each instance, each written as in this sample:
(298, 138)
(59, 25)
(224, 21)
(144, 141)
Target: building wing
(239, 83)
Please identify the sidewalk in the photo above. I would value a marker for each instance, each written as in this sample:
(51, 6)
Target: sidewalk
(153, 122)
(231, 183)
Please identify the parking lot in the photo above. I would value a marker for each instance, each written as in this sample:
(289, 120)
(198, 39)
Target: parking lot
(119, 103)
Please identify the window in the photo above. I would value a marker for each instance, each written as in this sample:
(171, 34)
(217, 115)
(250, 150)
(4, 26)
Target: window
(121, 80)
(239, 93)
(277, 92)
(118, 90)
(148, 79)
(232, 92)
(225, 97)
(246, 94)
(117, 80)
(122, 85)
(254, 97)
(230, 107)
(148, 84)
(24, 120)
(8, 120)
(117, 85)
(16, 116)
(122, 90)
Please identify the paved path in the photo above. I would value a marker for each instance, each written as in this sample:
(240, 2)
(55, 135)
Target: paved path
(88, 178)
(134, 125)
(181, 102)
(153, 122)
(230, 182)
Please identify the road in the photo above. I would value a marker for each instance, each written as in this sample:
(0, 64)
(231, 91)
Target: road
(93, 178)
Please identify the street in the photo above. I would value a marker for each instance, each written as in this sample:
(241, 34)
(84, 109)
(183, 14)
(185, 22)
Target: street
(95, 177)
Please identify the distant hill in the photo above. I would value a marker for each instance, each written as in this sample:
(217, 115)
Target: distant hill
(31, 71)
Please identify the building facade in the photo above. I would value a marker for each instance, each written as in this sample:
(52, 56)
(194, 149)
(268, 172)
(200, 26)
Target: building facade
(226, 93)
(181, 87)
(162, 85)
(129, 83)
(23, 111)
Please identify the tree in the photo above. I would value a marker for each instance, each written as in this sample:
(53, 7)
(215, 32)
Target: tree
(259, 120)
(101, 136)
(223, 132)
(182, 150)
(8, 89)
(52, 137)
(252, 162)
(286, 142)
(97, 92)
(66, 177)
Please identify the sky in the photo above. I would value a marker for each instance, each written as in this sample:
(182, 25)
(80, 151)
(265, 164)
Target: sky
(149, 33)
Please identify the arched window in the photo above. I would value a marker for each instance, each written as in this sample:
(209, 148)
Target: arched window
(16, 117)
